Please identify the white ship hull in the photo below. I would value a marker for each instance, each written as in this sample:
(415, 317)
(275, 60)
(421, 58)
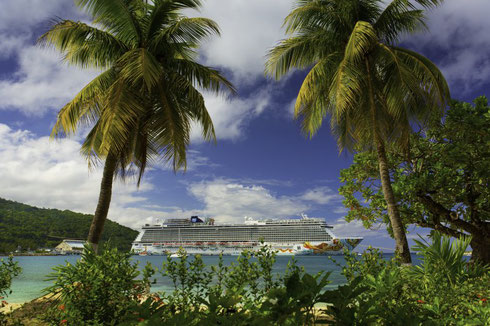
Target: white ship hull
(281, 249)
(286, 237)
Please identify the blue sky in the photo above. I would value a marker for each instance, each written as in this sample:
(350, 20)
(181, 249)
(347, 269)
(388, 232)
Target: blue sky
(261, 166)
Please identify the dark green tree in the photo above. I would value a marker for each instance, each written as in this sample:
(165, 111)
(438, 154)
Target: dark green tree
(32, 228)
(140, 108)
(443, 183)
(372, 89)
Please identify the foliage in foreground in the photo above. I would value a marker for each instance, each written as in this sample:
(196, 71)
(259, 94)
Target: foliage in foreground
(444, 289)
(8, 270)
(97, 289)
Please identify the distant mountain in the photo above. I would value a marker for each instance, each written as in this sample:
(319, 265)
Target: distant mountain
(32, 227)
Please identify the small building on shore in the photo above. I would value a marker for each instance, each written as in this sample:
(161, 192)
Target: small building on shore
(68, 246)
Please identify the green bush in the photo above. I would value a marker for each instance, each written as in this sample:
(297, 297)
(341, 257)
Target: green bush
(444, 289)
(97, 289)
(8, 270)
(244, 293)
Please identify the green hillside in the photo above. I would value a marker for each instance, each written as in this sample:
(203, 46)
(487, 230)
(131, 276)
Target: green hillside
(32, 227)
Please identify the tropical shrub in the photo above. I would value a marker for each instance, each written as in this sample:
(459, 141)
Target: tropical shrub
(243, 293)
(445, 289)
(97, 289)
(370, 262)
(8, 270)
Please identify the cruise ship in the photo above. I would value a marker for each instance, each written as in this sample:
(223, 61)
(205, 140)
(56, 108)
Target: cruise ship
(304, 236)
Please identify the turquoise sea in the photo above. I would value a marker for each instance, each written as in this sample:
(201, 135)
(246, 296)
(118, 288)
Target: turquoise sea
(32, 281)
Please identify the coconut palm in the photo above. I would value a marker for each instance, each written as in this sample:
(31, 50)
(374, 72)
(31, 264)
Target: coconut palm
(141, 106)
(373, 90)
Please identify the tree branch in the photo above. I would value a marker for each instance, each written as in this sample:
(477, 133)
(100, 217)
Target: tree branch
(443, 229)
(440, 211)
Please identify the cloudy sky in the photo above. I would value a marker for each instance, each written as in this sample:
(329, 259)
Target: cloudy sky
(261, 166)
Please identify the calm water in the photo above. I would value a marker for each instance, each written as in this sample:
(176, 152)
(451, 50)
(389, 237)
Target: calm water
(32, 281)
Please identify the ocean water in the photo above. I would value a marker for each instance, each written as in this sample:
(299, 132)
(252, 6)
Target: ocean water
(30, 284)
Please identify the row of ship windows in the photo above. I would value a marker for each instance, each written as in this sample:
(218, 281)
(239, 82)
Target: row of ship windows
(267, 239)
(241, 235)
(232, 236)
(212, 235)
(224, 232)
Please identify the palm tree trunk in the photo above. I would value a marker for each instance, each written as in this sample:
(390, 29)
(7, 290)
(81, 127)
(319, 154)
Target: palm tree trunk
(104, 202)
(396, 223)
(395, 220)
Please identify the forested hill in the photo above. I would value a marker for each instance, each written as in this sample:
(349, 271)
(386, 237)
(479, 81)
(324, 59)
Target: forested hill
(32, 227)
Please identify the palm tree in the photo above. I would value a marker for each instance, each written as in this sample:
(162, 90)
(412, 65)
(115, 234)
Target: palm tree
(372, 89)
(141, 106)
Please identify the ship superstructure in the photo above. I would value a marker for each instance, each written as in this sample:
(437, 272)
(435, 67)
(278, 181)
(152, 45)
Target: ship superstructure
(305, 236)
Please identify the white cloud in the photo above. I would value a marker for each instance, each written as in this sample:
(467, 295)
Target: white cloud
(459, 31)
(249, 29)
(42, 82)
(23, 15)
(231, 116)
(40, 172)
(355, 228)
(231, 202)
(195, 161)
(44, 173)
(10, 44)
(321, 195)
(341, 210)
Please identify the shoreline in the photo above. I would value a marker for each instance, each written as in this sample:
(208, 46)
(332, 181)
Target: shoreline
(11, 306)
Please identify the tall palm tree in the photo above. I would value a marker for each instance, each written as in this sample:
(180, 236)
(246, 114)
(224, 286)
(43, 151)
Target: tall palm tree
(372, 89)
(141, 106)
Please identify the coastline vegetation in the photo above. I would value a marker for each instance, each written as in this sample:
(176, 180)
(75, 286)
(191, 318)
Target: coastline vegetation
(32, 228)
(8, 270)
(108, 289)
(375, 93)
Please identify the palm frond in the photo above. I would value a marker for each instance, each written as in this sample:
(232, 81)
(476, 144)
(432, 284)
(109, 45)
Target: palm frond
(398, 18)
(296, 52)
(189, 31)
(171, 128)
(324, 14)
(312, 103)
(193, 100)
(117, 16)
(179, 5)
(84, 108)
(83, 45)
(203, 77)
(140, 68)
(431, 79)
(362, 39)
